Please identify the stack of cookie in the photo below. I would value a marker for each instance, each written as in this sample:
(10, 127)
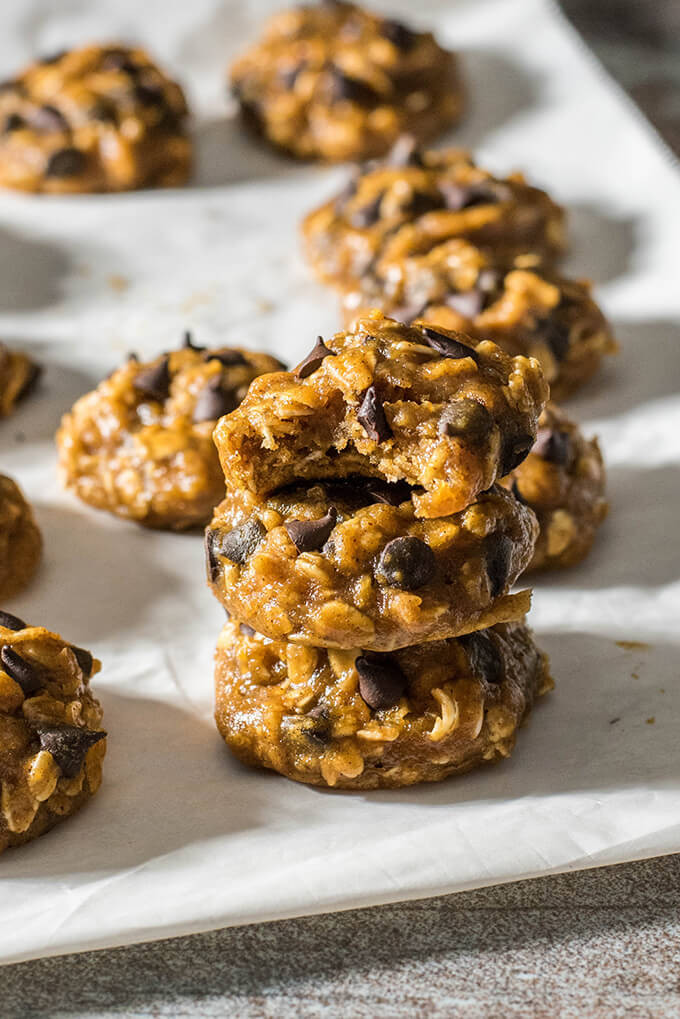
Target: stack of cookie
(364, 554)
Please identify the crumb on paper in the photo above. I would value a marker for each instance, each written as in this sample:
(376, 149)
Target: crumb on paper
(651, 721)
(632, 645)
(613, 721)
(118, 283)
(194, 300)
(263, 304)
(635, 675)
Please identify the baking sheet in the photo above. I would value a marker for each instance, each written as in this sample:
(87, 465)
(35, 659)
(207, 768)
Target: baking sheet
(181, 838)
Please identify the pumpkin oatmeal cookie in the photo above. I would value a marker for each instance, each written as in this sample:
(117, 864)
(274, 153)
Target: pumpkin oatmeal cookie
(355, 720)
(393, 402)
(100, 118)
(140, 445)
(51, 743)
(348, 564)
(20, 539)
(416, 200)
(563, 481)
(18, 375)
(333, 82)
(523, 308)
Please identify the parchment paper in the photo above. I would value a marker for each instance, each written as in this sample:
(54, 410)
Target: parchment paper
(181, 838)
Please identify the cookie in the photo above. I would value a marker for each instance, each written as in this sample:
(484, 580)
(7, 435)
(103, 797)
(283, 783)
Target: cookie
(333, 82)
(51, 743)
(100, 118)
(140, 445)
(350, 565)
(355, 720)
(523, 308)
(416, 200)
(20, 539)
(393, 402)
(563, 482)
(18, 376)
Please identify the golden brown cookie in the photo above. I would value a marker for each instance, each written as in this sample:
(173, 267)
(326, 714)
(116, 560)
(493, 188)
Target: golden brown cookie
(18, 375)
(415, 200)
(563, 482)
(20, 539)
(521, 307)
(100, 118)
(140, 445)
(333, 82)
(51, 743)
(349, 564)
(356, 720)
(389, 401)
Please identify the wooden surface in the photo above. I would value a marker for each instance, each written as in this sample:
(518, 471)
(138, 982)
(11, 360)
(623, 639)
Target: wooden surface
(598, 943)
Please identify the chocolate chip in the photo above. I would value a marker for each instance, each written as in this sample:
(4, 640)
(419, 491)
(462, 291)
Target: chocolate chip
(317, 727)
(21, 671)
(368, 214)
(154, 381)
(245, 630)
(188, 342)
(132, 356)
(515, 449)
(381, 681)
(84, 659)
(404, 152)
(119, 60)
(68, 162)
(49, 118)
(446, 345)
(553, 446)
(34, 374)
(466, 417)
(467, 303)
(308, 535)
(421, 203)
(343, 87)
(313, 359)
(148, 95)
(226, 356)
(464, 196)
(11, 622)
(213, 402)
(236, 546)
(498, 556)
(68, 745)
(102, 111)
(407, 563)
(392, 493)
(398, 34)
(371, 416)
(555, 334)
(13, 122)
(53, 58)
(484, 657)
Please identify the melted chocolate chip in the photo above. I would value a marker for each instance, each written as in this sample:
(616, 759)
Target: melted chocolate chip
(345, 88)
(407, 563)
(484, 657)
(515, 449)
(13, 122)
(11, 622)
(49, 118)
(313, 359)
(154, 381)
(381, 681)
(498, 555)
(466, 417)
(446, 345)
(309, 535)
(371, 416)
(398, 34)
(368, 214)
(553, 446)
(226, 356)
(213, 402)
(68, 162)
(68, 745)
(84, 659)
(21, 671)
(404, 152)
(236, 546)
(245, 630)
(393, 493)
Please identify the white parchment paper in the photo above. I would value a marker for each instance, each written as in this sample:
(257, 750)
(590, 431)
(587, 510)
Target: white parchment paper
(181, 838)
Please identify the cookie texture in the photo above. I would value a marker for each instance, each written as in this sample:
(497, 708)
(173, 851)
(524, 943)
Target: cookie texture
(140, 445)
(333, 82)
(389, 401)
(563, 482)
(18, 376)
(51, 742)
(415, 200)
(20, 539)
(523, 307)
(350, 564)
(354, 720)
(100, 118)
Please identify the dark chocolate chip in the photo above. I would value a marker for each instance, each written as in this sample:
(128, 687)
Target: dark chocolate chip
(404, 152)
(398, 34)
(236, 546)
(466, 417)
(498, 555)
(49, 118)
(313, 359)
(67, 162)
(515, 449)
(148, 95)
(381, 681)
(52, 58)
(11, 622)
(308, 535)
(13, 122)
(555, 334)
(371, 415)
(317, 727)
(484, 657)
(553, 446)
(213, 402)
(345, 88)
(421, 203)
(464, 196)
(154, 381)
(21, 671)
(119, 60)
(226, 356)
(68, 745)
(446, 345)
(102, 111)
(188, 342)
(407, 563)
(368, 214)
(467, 303)
(393, 493)
(245, 630)
(84, 659)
